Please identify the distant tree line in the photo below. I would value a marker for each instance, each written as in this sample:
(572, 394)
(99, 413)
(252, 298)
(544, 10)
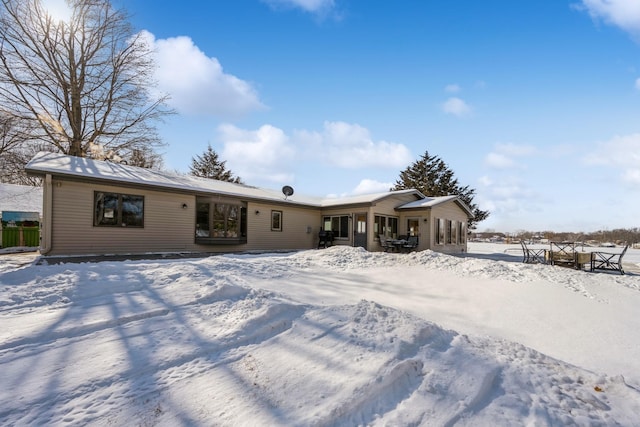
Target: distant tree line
(618, 236)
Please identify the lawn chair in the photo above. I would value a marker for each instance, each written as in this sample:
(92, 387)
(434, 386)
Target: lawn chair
(386, 245)
(608, 260)
(532, 255)
(412, 243)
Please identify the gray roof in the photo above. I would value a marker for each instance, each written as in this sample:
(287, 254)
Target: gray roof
(81, 167)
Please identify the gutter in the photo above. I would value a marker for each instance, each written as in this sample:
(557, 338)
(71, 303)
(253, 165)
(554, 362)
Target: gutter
(47, 208)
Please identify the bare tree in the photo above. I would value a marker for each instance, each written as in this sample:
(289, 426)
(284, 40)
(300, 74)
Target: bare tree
(80, 83)
(10, 136)
(12, 163)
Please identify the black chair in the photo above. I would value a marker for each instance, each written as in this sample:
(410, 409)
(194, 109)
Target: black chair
(412, 243)
(608, 260)
(531, 255)
(386, 245)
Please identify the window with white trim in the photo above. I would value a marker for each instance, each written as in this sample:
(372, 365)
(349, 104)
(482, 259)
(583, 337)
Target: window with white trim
(276, 220)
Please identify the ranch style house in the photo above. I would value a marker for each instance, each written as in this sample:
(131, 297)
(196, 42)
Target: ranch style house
(93, 207)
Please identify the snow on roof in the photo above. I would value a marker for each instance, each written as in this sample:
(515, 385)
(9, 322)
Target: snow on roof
(62, 164)
(429, 202)
(20, 198)
(366, 198)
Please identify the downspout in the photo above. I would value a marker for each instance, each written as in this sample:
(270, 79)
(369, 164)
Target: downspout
(47, 209)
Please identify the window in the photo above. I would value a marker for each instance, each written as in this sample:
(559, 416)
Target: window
(439, 231)
(276, 220)
(413, 226)
(202, 220)
(462, 234)
(220, 221)
(118, 210)
(225, 221)
(386, 225)
(454, 233)
(339, 225)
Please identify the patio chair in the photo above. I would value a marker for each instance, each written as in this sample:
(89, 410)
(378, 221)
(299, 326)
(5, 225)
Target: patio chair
(386, 245)
(412, 243)
(608, 260)
(532, 255)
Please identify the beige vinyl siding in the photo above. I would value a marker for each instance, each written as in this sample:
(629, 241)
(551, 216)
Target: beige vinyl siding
(300, 227)
(167, 226)
(448, 211)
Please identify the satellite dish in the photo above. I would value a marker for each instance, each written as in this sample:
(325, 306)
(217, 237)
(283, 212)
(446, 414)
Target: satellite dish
(287, 191)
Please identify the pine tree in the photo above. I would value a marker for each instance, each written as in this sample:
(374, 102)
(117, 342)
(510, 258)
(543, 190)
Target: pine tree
(432, 177)
(209, 166)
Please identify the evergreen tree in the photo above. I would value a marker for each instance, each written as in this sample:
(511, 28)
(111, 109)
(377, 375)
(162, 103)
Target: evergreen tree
(432, 177)
(209, 166)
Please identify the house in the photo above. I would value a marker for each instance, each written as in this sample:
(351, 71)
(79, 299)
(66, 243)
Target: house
(96, 207)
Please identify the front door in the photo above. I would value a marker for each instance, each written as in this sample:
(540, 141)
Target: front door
(413, 227)
(360, 230)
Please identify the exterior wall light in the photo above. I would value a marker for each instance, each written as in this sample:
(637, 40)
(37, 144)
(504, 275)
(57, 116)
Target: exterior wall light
(184, 206)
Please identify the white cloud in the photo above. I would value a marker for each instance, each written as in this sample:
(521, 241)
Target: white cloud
(197, 83)
(632, 176)
(499, 161)
(507, 197)
(349, 145)
(452, 88)
(621, 13)
(621, 153)
(313, 6)
(268, 154)
(502, 156)
(516, 150)
(368, 186)
(456, 106)
(261, 155)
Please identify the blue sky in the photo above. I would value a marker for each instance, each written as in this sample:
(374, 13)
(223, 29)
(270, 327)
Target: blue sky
(535, 104)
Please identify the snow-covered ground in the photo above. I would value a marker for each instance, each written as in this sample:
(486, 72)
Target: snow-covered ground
(322, 337)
